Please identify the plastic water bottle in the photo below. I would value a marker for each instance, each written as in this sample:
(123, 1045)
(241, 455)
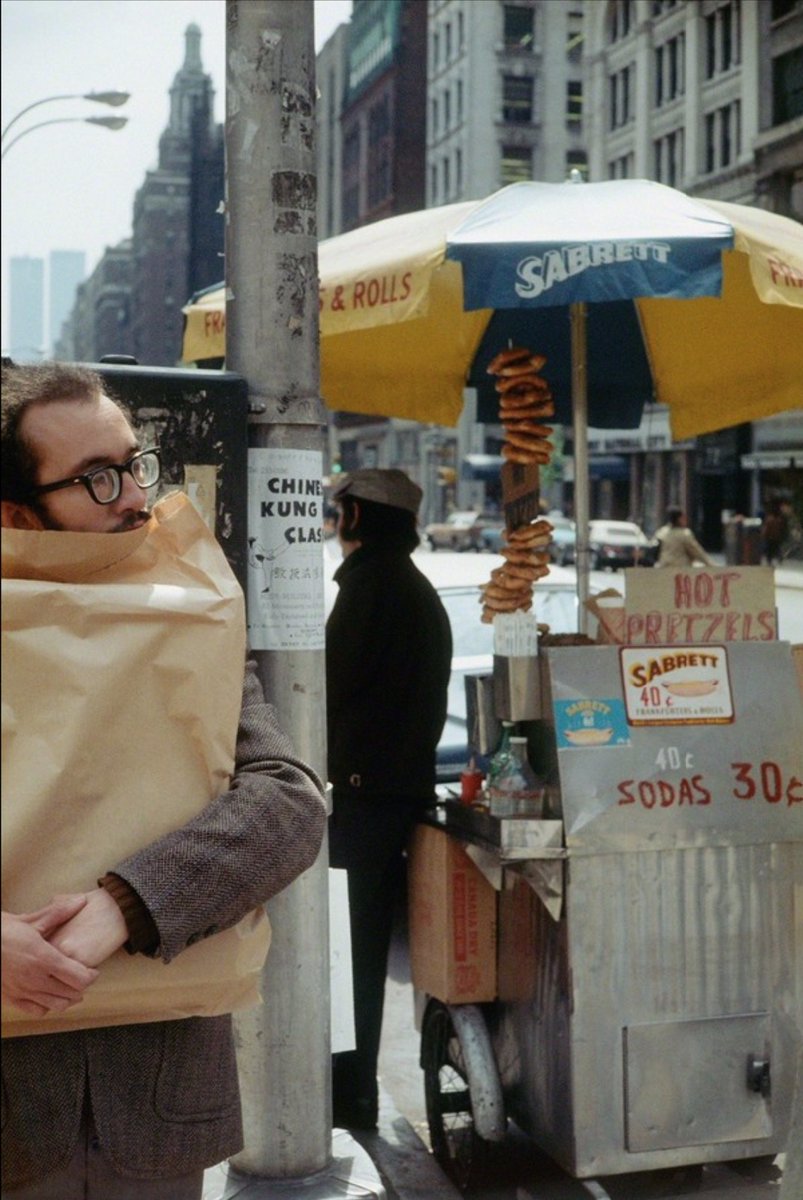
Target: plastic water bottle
(514, 789)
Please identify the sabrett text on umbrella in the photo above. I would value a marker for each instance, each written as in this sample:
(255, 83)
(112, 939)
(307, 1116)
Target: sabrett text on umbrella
(541, 272)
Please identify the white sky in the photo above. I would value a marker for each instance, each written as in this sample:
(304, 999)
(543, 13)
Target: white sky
(71, 186)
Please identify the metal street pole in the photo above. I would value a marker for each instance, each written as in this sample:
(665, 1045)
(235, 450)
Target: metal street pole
(113, 99)
(112, 123)
(272, 340)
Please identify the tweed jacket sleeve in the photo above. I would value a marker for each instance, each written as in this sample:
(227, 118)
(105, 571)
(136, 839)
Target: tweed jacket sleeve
(243, 848)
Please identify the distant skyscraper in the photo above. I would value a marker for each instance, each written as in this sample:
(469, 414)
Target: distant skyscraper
(67, 270)
(26, 309)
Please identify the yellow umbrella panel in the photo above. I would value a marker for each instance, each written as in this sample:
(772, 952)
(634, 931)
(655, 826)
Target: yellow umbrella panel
(205, 326)
(739, 357)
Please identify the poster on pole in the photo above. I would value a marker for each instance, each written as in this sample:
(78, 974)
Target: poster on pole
(285, 536)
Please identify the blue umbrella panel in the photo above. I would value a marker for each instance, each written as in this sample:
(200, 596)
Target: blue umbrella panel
(619, 377)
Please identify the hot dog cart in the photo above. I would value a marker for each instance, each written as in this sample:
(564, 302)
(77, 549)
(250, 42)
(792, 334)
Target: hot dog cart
(647, 1002)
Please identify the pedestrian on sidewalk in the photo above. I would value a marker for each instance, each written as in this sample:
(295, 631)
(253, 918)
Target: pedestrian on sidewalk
(388, 659)
(677, 545)
(122, 1111)
(773, 533)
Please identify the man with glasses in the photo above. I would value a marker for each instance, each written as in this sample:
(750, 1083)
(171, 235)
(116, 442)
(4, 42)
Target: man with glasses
(83, 1114)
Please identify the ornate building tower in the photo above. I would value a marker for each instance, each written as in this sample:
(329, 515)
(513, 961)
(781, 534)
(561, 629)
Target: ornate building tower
(177, 230)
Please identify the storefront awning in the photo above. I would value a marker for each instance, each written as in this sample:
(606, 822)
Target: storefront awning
(772, 460)
(609, 466)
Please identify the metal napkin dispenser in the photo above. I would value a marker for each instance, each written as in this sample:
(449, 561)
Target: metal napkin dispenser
(517, 688)
(484, 730)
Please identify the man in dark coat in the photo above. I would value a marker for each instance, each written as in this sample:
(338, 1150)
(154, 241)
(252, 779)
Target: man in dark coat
(388, 659)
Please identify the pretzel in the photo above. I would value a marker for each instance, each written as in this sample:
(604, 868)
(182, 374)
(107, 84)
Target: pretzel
(514, 573)
(523, 458)
(497, 606)
(505, 357)
(532, 364)
(528, 427)
(488, 613)
(520, 383)
(526, 533)
(495, 590)
(528, 441)
(514, 401)
(525, 558)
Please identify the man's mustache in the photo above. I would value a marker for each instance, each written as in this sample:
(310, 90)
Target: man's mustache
(132, 521)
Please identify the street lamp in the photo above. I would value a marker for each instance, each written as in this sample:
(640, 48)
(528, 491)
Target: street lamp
(114, 99)
(112, 123)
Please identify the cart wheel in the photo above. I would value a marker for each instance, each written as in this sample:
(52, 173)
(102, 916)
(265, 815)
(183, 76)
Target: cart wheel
(455, 1142)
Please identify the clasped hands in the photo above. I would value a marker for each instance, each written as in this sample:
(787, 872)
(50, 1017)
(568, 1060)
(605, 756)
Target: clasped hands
(50, 957)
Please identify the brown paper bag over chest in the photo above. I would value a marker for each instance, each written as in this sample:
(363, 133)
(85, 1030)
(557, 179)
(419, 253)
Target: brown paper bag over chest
(122, 672)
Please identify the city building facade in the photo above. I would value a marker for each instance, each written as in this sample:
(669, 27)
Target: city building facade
(66, 269)
(26, 296)
(702, 95)
(131, 304)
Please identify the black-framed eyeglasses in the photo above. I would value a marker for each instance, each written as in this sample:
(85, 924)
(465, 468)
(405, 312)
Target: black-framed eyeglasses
(104, 484)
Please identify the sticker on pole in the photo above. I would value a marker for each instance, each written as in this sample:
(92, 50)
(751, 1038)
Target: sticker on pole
(676, 685)
(285, 535)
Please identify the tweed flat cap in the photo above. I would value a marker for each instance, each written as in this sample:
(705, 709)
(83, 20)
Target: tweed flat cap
(391, 487)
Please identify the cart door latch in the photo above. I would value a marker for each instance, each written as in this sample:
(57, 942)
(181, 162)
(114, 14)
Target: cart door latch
(758, 1075)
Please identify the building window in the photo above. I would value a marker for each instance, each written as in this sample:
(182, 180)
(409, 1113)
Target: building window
(621, 168)
(723, 135)
(351, 148)
(620, 19)
(448, 46)
(434, 111)
(519, 27)
(670, 70)
(620, 98)
(574, 103)
(662, 6)
(459, 100)
(577, 160)
(447, 109)
(379, 152)
(574, 38)
(723, 38)
(787, 86)
(461, 32)
(378, 121)
(436, 50)
(458, 171)
(782, 8)
(351, 205)
(668, 152)
(517, 99)
(433, 183)
(447, 179)
(516, 164)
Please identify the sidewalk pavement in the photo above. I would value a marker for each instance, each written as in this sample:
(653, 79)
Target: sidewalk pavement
(407, 1167)
(391, 1164)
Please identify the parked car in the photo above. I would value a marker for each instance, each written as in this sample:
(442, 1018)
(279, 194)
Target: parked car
(555, 605)
(613, 544)
(562, 535)
(460, 531)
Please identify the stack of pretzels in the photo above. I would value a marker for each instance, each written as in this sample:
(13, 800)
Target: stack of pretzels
(524, 401)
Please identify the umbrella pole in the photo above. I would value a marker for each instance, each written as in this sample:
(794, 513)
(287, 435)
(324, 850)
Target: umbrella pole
(581, 483)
